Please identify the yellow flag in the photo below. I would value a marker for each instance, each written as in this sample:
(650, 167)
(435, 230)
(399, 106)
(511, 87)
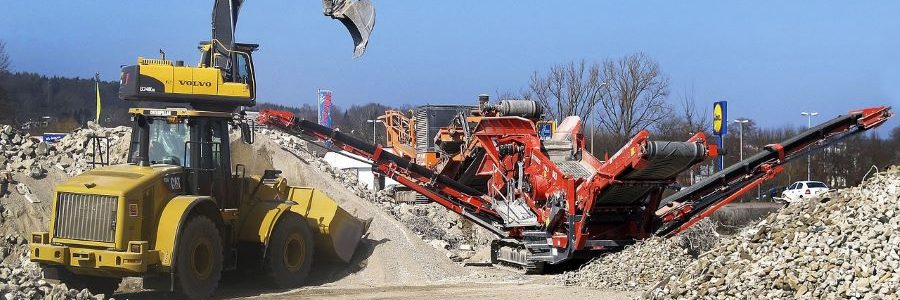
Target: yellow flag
(97, 80)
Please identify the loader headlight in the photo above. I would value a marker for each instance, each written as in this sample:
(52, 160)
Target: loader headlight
(137, 246)
(40, 237)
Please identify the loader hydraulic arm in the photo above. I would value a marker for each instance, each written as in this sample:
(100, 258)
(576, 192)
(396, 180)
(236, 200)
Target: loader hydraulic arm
(698, 201)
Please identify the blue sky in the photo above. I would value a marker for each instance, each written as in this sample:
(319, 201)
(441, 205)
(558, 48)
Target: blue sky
(770, 60)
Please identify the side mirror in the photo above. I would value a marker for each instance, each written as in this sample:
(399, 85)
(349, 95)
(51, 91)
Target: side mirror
(246, 133)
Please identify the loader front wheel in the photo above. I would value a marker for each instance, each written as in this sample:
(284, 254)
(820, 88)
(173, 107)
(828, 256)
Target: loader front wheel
(199, 258)
(290, 252)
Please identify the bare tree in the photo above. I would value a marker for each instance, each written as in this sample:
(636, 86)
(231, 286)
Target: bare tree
(571, 89)
(4, 58)
(697, 120)
(634, 98)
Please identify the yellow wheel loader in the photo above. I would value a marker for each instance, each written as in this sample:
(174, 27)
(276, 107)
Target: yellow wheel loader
(178, 213)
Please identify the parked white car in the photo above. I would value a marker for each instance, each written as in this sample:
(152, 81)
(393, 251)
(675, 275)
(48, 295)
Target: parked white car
(804, 190)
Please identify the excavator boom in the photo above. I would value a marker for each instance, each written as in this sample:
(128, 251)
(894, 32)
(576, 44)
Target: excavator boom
(357, 15)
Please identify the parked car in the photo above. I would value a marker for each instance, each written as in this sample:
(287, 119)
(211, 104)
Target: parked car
(804, 190)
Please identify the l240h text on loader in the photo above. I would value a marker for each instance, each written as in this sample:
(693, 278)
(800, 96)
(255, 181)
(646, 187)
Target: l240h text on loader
(178, 213)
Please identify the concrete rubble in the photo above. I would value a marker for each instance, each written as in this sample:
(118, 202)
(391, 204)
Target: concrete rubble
(22, 279)
(642, 265)
(26, 156)
(847, 247)
(20, 152)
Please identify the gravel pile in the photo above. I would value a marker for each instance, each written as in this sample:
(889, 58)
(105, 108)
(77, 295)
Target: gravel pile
(846, 248)
(21, 152)
(435, 224)
(22, 279)
(41, 164)
(642, 265)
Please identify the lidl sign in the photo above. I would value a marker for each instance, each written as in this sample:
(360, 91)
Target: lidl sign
(720, 118)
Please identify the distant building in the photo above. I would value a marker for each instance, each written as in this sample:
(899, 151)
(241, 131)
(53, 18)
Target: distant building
(362, 167)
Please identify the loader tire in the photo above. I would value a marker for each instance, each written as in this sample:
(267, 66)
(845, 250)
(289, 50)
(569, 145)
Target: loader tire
(198, 265)
(290, 253)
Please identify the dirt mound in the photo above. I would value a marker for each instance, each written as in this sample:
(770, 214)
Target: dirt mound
(390, 252)
(846, 247)
(441, 228)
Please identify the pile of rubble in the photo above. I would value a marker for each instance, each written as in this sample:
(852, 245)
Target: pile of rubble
(21, 152)
(642, 265)
(845, 247)
(433, 223)
(23, 156)
(22, 279)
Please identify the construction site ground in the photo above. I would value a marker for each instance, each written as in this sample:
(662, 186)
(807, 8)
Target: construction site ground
(391, 262)
(410, 250)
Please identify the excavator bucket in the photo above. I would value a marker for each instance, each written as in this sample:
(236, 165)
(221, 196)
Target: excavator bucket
(359, 18)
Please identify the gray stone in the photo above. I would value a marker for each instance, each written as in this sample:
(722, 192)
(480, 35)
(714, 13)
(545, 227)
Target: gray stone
(41, 149)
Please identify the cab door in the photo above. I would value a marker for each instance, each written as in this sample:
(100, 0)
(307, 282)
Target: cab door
(209, 171)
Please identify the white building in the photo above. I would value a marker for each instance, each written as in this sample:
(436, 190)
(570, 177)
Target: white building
(357, 164)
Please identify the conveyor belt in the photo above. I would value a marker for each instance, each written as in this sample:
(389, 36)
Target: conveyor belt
(704, 197)
(665, 161)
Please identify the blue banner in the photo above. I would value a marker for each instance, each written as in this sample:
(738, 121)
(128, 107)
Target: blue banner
(324, 104)
(51, 138)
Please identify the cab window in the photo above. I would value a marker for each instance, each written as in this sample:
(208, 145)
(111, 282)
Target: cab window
(816, 185)
(167, 142)
(242, 71)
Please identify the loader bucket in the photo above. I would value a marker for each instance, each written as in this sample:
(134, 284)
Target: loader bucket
(359, 18)
(337, 232)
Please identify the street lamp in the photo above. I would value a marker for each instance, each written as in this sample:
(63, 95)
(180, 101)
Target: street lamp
(809, 116)
(741, 123)
(376, 121)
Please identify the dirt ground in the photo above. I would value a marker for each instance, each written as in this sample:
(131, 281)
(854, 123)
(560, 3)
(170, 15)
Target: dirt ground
(533, 289)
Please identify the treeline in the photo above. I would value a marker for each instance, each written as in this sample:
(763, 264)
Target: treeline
(42, 103)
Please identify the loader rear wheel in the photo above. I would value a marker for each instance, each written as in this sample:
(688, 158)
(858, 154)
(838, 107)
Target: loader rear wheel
(199, 258)
(290, 252)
